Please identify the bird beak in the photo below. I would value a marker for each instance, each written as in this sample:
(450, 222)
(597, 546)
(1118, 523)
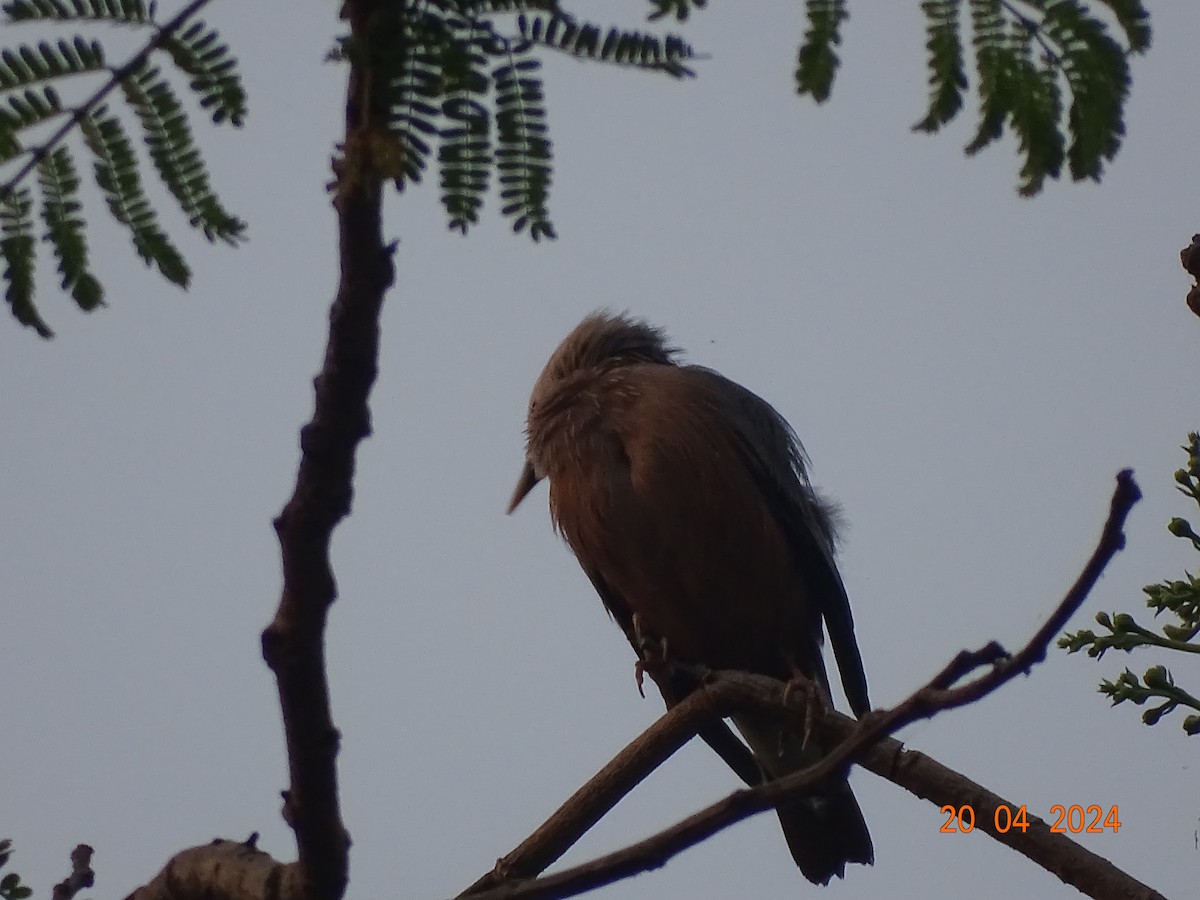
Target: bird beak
(524, 485)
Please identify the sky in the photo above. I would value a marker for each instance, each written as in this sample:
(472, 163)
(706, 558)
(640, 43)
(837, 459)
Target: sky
(967, 369)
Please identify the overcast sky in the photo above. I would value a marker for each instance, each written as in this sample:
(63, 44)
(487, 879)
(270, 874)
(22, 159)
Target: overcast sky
(967, 369)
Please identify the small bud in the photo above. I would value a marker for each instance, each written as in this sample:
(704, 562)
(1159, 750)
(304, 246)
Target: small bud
(1103, 619)
(1157, 678)
(1181, 528)
(1192, 724)
(1151, 716)
(1123, 622)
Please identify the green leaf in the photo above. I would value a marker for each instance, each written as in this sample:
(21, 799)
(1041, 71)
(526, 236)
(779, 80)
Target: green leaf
(1134, 20)
(947, 80)
(522, 149)
(1097, 73)
(132, 12)
(817, 61)
(199, 52)
(17, 255)
(116, 173)
(560, 31)
(464, 155)
(65, 228)
(27, 64)
(176, 157)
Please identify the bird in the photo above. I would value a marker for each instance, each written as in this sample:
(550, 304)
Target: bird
(685, 498)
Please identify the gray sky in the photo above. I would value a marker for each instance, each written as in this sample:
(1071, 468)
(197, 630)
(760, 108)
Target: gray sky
(967, 369)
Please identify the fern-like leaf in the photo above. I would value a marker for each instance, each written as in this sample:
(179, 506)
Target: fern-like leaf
(1134, 20)
(212, 69)
(993, 67)
(1097, 73)
(65, 227)
(1036, 111)
(1023, 64)
(817, 61)
(947, 80)
(28, 64)
(116, 173)
(587, 41)
(522, 148)
(464, 156)
(17, 254)
(174, 154)
(129, 12)
(32, 106)
(26, 109)
(412, 98)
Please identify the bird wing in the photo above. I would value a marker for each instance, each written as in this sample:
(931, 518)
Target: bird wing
(775, 458)
(677, 685)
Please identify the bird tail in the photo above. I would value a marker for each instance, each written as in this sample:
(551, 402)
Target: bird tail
(824, 829)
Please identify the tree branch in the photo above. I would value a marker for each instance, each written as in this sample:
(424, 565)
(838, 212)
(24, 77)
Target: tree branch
(865, 742)
(293, 644)
(222, 870)
(606, 788)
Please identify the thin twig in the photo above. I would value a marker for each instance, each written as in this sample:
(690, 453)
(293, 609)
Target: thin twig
(605, 789)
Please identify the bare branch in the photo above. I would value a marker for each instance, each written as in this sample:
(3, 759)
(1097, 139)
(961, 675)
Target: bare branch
(605, 789)
(293, 644)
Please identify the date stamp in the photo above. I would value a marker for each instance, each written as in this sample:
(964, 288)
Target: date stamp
(1074, 819)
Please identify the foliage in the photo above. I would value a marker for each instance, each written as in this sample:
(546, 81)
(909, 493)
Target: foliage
(818, 62)
(462, 91)
(463, 76)
(1027, 55)
(29, 100)
(10, 884)
(1181, 599)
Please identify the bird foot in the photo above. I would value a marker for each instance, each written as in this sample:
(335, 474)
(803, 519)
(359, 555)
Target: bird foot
(653, 653)
(816, 700)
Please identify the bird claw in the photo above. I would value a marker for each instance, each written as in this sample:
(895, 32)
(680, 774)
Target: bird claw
(816, 700)
(639, 674)
(653, 653)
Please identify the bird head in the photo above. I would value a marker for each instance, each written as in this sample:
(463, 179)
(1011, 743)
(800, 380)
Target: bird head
(565, 394)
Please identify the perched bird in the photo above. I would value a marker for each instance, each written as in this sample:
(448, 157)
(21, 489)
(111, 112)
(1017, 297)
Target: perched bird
(686, 501)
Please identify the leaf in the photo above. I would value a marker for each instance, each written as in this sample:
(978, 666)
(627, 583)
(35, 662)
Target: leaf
(17, 254)
(947, 80)
(629, 48)
(523, 153)
(176, 157)
(198, 51)
(817, 61)
(116, 173)
(65, 228)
